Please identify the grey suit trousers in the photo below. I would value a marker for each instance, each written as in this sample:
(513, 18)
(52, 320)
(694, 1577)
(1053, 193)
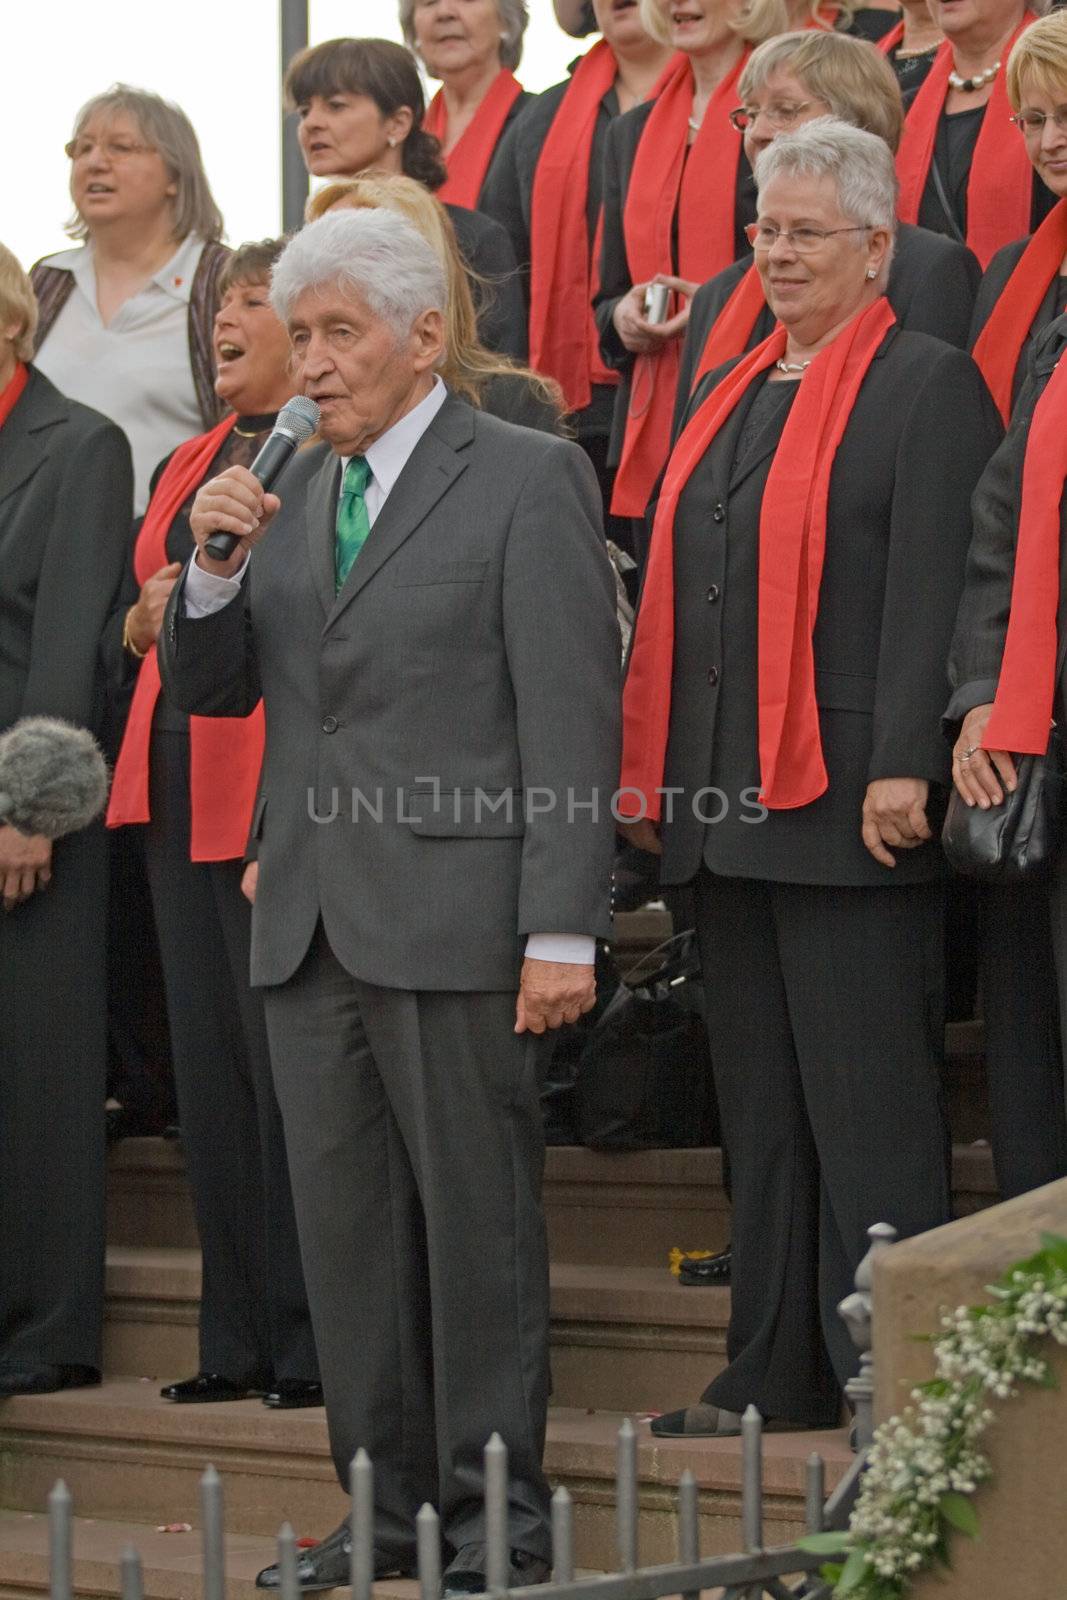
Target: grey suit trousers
(416, 1155)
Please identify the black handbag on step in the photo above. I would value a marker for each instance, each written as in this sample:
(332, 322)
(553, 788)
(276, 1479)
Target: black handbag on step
(1018, 839)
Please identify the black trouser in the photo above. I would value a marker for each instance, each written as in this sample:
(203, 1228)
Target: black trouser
(825, 1017)
(254, 1319)
(414, 1129)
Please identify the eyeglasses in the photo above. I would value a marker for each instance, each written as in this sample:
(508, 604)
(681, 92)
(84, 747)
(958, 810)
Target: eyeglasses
(780, 117)
(805, 241)
(117, 150)
(1031, 123)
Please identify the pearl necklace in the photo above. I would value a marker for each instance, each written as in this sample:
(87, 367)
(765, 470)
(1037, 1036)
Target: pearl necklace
(968, 85)
(694, 125)
(793, 366)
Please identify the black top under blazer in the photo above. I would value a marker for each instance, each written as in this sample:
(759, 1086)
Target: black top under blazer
(994, 281)
(932, 285)
(897, 536)
(495, 285)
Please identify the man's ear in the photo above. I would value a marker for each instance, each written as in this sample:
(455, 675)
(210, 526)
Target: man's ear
(428, 341)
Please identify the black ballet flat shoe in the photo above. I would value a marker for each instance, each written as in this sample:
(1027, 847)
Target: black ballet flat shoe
(712, 1272)
(328, 1565)
(208, 1388)
(701, 1421)
(46, 1379)
(292, 1394)
(465, 1573)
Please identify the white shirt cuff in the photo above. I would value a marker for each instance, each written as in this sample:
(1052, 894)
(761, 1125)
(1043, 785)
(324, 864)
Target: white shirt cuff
(206, 592)
(576, 949)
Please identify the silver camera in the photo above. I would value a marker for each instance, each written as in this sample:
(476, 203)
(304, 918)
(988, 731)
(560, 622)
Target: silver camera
(657, 299)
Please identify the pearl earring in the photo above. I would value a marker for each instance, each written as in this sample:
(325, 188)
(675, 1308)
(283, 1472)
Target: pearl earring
(391, 143)
(871, 274)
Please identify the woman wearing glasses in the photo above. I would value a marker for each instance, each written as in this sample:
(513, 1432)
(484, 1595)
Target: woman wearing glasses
(783, 753)
(787, 82)
(126, 318)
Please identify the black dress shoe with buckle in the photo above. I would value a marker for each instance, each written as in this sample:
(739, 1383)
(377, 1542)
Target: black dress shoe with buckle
(47, 1378)
(711, 1272)
(465, 1573)
(208, 1388)
(290, 1394)
(328, 1565)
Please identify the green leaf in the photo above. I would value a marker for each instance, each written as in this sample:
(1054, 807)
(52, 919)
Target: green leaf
(831, 1571)
(824, 1544)
(853, 1572)
(958, 1511)
(1055, 1248)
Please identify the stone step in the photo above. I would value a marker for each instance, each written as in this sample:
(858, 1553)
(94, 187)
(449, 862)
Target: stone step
(619, 1208)
(127, 1456)
(623, 1338)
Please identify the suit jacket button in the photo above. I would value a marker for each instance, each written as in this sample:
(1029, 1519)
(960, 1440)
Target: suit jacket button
(719, 512)
(713, 676)
(713, 594)
(329, 724)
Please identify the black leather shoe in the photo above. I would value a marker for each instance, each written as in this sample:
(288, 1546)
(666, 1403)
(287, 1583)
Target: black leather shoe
(712, 1272)
(45, 1379)
(465, 1573)
(209, 1387)
(327, 1565)
(290, 1394)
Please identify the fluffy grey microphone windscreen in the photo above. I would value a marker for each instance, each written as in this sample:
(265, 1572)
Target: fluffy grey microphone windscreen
(53, 777)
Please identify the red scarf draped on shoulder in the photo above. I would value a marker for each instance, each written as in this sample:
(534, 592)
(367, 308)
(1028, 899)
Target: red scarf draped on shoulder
(1001, 179)
(792, 535)
(225, 753)
(701, 189)
(1022, 708)
(999, 345)
(892, 40)
(469, 161)
(563, 336)
(11, 393)
(732, 329)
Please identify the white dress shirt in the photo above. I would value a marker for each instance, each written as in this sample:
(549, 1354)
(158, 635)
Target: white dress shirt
(387, 457)
(136, 369)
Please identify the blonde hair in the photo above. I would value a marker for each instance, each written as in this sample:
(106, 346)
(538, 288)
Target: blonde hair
(467, 365)
(757, 20)
(855, 81)
(17, 303)
(1040, 53)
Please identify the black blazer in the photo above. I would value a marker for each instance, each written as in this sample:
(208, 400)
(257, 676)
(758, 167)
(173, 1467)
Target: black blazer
(994, 281)
(620, 149)
(66, 511)
(982, 624)
(932, 286)
(497, 292)
(897, 536)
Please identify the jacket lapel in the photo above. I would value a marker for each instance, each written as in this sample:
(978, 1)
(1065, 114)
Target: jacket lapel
(320, 523)
(26, 436)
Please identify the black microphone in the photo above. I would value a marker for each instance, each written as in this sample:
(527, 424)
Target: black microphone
(53, 777)
(296, 422)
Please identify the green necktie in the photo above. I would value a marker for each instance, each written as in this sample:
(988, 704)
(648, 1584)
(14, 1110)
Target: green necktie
(353, 523)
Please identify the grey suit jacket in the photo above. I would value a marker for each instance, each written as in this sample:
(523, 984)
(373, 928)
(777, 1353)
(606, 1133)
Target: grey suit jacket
(425, 725)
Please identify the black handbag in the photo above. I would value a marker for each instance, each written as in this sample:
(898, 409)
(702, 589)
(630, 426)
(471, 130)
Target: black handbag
(1018, 839)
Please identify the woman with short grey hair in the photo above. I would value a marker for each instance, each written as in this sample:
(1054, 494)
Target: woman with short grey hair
(126, 318)
(784, 690)
(473, 47)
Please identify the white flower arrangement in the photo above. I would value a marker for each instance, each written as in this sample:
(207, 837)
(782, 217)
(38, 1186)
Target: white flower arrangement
(924, 1465)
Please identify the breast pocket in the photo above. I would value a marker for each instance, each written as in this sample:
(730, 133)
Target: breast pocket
(466, 571)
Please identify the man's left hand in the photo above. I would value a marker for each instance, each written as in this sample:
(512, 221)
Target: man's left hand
(894, 813)
(552, 993)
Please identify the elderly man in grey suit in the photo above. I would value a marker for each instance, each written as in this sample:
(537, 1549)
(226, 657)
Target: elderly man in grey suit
(428, 614)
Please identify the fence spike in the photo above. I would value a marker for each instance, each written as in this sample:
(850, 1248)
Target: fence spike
(212, 1537)
(815, 1493)
(428, 1548)
(562, 1537)
(626, 1497)
(752, 1480)
(60, 1542)
(497, 1555)
(131, 1576)
(361, 1560)
(289, 1583)
(688, 1525)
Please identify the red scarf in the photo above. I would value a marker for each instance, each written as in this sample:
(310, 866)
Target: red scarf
(226, 753)
(732, 329)
(1022, 708)
(469, 162)
(792, 537)
(1000, 342)
(1001, 179)
(700, 188)
(891, 40)
(563, 336)
(11, 393)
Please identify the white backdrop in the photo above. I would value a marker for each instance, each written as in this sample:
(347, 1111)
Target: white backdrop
(217, 58)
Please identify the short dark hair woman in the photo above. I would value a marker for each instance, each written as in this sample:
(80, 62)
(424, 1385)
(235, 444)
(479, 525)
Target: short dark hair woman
(66, 502)
(361, 108)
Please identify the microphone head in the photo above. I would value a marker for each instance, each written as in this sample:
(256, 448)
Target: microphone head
(299, 417)
(53, 778)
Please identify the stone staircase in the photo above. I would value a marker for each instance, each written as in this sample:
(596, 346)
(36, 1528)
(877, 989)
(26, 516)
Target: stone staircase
(627, 1339)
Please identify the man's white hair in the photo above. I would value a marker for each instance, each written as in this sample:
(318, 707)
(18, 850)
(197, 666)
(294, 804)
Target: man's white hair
(374, 254)
(859, 162)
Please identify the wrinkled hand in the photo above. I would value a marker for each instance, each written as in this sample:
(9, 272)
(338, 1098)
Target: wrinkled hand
(553, 992)
(250, 882)
(234, 502)
(894, 813)
(145, 619)
(643, 835)
(979, 774)
(640, 336)
(25, 864)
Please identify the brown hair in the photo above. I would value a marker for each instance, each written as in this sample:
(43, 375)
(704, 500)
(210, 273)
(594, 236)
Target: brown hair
(388, 75)
(250, 263)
